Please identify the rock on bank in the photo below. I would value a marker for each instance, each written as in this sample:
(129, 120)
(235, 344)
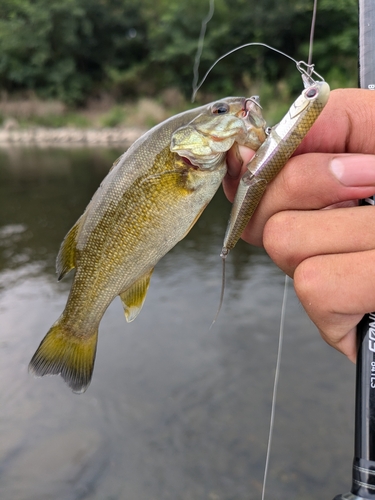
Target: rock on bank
(69, 136)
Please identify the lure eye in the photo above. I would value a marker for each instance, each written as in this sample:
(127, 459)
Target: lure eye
(220, 108)
(311, 93)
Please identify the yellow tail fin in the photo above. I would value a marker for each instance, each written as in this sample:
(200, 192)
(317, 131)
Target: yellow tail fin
(70, 356)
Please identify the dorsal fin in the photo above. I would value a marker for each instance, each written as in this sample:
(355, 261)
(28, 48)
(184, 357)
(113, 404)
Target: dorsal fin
(116, 162)
(134, 297)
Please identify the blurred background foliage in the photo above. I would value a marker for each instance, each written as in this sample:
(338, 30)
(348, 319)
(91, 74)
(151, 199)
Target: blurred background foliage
(76, 50)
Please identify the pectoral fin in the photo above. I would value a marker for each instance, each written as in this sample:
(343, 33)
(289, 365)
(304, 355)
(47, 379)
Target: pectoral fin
(134, 297)
(66, 258)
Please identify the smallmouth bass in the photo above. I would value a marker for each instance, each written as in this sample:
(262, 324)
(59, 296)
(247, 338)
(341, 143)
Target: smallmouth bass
(150, 199)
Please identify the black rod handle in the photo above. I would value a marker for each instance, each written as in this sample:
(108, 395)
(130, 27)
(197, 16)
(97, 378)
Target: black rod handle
(363, 484)
(363, 478)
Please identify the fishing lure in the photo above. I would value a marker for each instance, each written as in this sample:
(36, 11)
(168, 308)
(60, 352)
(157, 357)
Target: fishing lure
(283, 139)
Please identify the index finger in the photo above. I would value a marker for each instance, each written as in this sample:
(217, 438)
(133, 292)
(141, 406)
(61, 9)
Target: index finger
(346, 124)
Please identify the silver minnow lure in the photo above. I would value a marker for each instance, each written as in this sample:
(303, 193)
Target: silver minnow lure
(282, 141)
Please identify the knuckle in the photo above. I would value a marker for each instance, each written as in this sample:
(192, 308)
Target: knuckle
(291, 179)
(274, 235)
(307, 283)
(278, 239)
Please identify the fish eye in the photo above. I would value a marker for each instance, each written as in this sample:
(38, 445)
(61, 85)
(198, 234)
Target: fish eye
(220, 108)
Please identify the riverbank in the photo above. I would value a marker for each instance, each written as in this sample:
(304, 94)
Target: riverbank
(69, 136)
(32, 122)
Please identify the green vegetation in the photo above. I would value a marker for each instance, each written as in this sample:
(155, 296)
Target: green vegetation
(55, 121)
(76, 51)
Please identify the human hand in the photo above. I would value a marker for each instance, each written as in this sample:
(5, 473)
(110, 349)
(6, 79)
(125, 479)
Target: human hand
(329, 253)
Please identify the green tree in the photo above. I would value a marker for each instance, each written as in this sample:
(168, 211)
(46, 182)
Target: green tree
(73, 49)
(62, 49)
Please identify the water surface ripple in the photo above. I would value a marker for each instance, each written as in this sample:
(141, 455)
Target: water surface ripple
(174, 411)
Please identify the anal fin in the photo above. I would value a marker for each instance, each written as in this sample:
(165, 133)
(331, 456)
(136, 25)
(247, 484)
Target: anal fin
(133, 298)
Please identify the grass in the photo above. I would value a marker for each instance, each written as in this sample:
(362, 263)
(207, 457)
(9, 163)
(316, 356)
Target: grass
(114, 117)
(144, 113)
(71, 119)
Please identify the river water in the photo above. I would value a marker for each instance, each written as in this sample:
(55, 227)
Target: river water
(175, 411)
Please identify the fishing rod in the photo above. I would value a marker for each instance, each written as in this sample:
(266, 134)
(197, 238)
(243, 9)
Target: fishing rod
(363, 475)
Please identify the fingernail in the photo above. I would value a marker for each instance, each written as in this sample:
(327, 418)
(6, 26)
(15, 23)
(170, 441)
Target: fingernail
(354, 170)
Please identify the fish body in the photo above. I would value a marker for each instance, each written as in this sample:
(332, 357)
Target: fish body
(149, 201)
(282, 141)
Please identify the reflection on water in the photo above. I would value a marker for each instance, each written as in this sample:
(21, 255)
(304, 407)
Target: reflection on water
(174, 411)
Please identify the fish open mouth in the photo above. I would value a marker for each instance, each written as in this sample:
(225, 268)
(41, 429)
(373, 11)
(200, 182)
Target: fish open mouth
(188, 162)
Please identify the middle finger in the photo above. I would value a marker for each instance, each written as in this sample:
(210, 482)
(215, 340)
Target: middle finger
(306, 182)
(293, 236)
